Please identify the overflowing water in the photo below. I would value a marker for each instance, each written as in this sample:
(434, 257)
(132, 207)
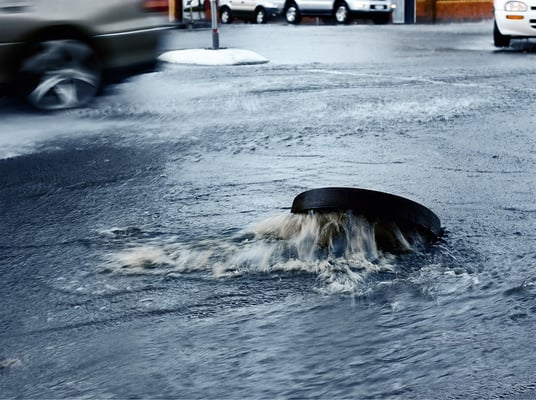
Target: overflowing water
(339, 249)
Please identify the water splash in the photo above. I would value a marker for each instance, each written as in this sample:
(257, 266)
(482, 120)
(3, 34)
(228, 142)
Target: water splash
(9, 362)
(340, 249)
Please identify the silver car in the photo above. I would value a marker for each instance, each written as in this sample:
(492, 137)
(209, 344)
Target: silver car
(57, 54)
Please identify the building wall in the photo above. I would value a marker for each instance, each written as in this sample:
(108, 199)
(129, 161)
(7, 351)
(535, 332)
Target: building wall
(431, 11)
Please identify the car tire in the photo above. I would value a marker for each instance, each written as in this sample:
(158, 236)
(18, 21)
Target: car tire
(341, 13)
(260, 15)
(378, 207)
(500, 40)
(226, 16)
(59, 74)
(292, 14)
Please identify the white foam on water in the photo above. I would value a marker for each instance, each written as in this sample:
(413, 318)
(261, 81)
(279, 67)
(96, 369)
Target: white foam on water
(9, 362)
(339, 249)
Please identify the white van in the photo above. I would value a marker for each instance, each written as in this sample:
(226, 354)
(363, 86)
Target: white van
(259, 11)
(379, 11)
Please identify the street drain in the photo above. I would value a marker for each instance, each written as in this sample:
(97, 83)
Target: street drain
(399, 224)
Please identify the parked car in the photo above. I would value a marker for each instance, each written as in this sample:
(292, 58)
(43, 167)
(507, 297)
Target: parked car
(257, 10)
(379, 11)
(57, 54)
(194, 4)
(513, 19)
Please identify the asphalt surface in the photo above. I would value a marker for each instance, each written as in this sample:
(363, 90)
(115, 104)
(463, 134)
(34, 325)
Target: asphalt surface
(136, 255)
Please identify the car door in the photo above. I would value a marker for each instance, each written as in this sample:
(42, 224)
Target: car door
(316, 6)
(238, 7)
(249, 6)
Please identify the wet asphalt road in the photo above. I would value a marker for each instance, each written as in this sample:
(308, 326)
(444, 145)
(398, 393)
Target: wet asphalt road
(126, 271)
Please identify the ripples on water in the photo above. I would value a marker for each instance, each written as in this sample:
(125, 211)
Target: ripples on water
(340, 250)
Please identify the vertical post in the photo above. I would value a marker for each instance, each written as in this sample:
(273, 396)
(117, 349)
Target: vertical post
(189, 3)
(175, 10)
(214, 14)
(410, 16)
(171, 11)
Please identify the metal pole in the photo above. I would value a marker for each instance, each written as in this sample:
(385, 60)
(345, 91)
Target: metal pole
(214, 14)
(189, 2)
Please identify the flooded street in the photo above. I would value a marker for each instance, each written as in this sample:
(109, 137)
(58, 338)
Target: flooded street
(138, 254)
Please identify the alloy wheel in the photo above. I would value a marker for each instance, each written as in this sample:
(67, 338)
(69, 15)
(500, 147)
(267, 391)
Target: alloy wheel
(260, 16)
(341, 14)
(60, 74)
(292, 14)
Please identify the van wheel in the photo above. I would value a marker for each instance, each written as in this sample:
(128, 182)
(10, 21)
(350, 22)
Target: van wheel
(260, 16)
(500, 40)
(341, 13)
(225, 15)
(292, 14)
(59, 74)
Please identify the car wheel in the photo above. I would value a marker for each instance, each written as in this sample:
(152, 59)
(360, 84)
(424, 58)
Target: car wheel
(260, 16)
(341, 13)
(60, 74)
(292, 14)
(500, 40)
(225, 15)
(379, 207)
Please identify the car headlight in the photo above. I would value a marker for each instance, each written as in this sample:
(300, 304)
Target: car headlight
(517, 6)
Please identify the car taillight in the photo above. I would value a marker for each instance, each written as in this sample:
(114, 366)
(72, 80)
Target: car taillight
(156, 5)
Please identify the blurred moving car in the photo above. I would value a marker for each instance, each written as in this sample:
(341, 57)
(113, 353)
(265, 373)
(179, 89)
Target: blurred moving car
(57, 54)
(513, 19)
(257, 10)
(379, 11)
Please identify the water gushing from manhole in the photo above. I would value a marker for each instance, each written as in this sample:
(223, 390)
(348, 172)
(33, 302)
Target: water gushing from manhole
(339, 248)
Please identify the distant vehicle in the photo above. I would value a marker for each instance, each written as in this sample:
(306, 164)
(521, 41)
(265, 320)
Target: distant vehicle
(379, 11)
(513, 19)
(259, 11)
(57, 54)
(195, 4)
